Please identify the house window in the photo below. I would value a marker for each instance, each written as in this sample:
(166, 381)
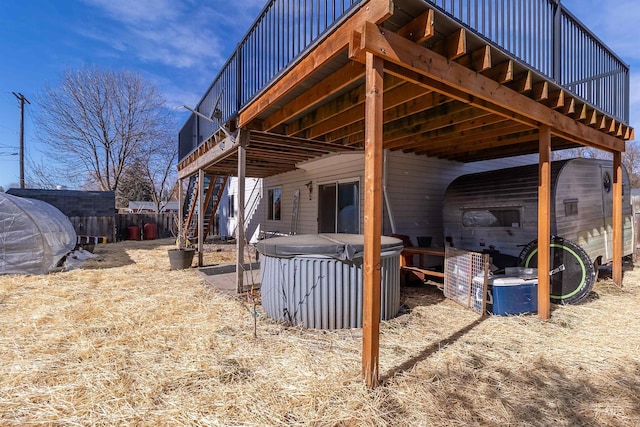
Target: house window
(339, 207)
(232, 205)
(273, 203)
(491, 217)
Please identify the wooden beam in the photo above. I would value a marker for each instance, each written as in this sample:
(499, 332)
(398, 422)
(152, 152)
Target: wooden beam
(372, 220)
(481, 59)
(412, 107)
(618, 236)
(502, 72)
(180, 224)
(242, 166)
(442, 132)
(556, 99)
(351, 100)
(420, 29)
(373, 11)
(591, 117)
(337, 81)
(569, 107)
(402, 131)
(207, 199)
(217, 203)
(523, 83)
(200, 232)
(394, 97)
(490, 137)
(476, 150)
(579, 111)
(540, 91)
(463, 84)
(453, 46)
(544, 224)
(461, 130)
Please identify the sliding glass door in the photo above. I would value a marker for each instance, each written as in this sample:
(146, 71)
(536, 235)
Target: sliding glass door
(339, 207)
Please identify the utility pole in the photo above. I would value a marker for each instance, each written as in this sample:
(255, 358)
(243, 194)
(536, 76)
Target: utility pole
(22, 100)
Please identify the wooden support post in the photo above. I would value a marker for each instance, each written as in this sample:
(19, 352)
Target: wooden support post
(544, 224)
(200, 216)
(372, 219)
(242, 165)
(180, 223)
(618, 233)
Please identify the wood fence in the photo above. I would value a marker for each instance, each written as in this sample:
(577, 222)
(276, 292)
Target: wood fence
(164, 221)
(95, 226)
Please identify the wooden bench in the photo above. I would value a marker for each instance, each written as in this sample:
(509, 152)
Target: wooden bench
(420, 271)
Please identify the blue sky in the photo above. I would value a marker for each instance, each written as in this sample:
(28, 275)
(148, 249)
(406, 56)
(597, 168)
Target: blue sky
(179, 45)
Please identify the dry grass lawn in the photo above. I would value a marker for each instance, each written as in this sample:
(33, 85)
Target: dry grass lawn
(126, 341)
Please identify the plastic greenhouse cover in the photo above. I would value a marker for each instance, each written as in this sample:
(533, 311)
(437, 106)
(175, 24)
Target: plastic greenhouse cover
(34, 236)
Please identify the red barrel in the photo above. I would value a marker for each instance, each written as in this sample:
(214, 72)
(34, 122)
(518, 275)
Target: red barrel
(134, 232)
(150, 231)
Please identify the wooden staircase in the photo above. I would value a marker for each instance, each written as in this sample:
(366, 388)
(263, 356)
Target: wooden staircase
(213, 188)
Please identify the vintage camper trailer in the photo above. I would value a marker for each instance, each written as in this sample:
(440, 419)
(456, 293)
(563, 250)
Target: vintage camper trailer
(497, 211)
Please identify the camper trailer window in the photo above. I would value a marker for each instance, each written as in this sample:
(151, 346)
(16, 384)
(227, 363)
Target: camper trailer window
(496, 217)
(570, 207)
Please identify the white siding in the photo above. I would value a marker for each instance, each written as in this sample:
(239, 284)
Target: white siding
(415, 187)
(330, 169)
(253, 208)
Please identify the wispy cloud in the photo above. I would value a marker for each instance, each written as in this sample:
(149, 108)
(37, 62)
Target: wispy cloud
(180, 44)
(177, 34)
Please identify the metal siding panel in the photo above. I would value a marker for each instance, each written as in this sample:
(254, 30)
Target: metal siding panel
(575, 178)
(323, 292)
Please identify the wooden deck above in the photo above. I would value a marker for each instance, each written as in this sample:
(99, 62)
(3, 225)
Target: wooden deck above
(448, 93)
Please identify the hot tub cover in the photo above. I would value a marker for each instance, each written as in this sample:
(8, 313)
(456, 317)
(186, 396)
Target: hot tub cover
(339, 246)
(34, 235)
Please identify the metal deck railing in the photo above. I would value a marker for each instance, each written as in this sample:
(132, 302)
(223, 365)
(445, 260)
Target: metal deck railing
(540, 33)
(544, 35)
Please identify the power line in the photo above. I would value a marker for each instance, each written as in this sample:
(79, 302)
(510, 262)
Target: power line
(22, 100)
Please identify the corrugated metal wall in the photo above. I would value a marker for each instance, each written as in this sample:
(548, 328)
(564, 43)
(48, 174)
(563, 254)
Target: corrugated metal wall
(324, 293)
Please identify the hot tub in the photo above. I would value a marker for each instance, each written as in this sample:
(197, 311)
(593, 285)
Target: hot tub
(315, 280)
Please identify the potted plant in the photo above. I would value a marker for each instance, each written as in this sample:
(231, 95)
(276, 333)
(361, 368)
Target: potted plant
(182, 256)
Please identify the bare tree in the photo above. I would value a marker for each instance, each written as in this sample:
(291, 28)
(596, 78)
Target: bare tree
(95, 122)
(161, 172)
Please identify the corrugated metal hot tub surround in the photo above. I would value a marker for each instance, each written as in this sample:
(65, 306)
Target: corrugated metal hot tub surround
(315, 280)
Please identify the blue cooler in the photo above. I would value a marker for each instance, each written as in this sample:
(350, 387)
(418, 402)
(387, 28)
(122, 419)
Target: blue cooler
(515, 292)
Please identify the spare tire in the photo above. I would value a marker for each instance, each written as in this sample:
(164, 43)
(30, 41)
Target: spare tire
(572, 272)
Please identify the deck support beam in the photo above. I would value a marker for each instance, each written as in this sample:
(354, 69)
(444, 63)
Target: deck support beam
(372, 218)
(242, 164)
(544, 224)
(200, 216)
(180, 224)
(618, 233)
(425, 67)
